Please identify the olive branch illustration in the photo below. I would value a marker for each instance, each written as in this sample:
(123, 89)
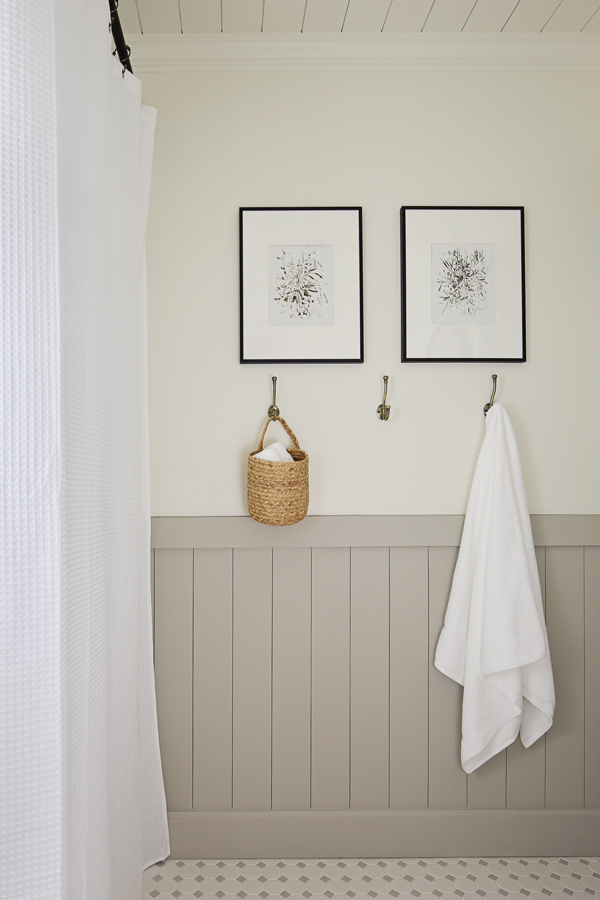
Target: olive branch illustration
(300, 285)
(462, 282)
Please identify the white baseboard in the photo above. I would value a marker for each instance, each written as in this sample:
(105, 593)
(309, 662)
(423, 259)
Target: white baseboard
(352, 834)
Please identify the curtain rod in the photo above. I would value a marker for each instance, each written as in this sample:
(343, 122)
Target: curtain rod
(122, 49)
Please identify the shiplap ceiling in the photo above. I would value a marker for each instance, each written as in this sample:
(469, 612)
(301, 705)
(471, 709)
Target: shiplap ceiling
(293, 17)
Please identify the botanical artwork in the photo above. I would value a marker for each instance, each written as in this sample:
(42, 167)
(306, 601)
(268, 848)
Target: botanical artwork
(463, 284)
(300, 285)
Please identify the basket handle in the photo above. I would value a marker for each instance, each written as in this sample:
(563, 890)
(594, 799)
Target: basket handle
(295, 444)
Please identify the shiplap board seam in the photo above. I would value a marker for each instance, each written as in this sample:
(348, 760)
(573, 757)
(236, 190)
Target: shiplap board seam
(193, 659)
(350, 689)
(409, 677)
(585, 664)
(291, 678)
(592, 669)
(370, 677)
(526, 769)
(346, 14)
(330, 667)
(552, 14)
(129, 17)
(448, 781)
(545, 740)
(253, 680)
(310, 720)
(590, 19)
(464, 25)
(387, 15)
(272, 657)
(517, 2)
(428, 15)
(283, 16)
(325, 16)
(232, 665)
(212, 667)
(428, 671)
(515, 5)
(389, 722)
(565, 772)
(174, 654)
(153, 599)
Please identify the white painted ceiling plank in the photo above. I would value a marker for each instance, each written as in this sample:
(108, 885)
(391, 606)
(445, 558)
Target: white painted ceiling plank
(283, 16)
(571, 16)
(407, 16)
(530, 16)
(593, 26)
(242, 16)
(159, 16)
(128, 17)
(448, 16)
(489, 16)
(366, 16)
(200, 16)
(325, 16)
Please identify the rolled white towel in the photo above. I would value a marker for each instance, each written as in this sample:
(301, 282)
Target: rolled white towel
(275, 453)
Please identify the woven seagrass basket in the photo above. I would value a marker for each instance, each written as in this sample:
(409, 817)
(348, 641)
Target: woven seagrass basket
(278, 491)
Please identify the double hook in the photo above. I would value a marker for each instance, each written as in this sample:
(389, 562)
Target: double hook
(383, 411)
(273, 411)
(489, 405)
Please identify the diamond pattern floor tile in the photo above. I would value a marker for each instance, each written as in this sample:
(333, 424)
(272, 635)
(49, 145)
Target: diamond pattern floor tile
(346, 879)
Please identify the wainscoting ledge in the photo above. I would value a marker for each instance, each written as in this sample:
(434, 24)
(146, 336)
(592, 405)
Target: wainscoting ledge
(384, 834)
(179, 532)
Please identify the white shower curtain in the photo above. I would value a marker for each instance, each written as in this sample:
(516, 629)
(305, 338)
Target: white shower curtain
(82, 807)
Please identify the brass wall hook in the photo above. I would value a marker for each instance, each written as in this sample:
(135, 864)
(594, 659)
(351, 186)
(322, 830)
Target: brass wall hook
(383, 411)
(273, 409)
(489, 405)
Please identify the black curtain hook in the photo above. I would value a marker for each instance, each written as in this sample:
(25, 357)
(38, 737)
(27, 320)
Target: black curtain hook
(121, 48)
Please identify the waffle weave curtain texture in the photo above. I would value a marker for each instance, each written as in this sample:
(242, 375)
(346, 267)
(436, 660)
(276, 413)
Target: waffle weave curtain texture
(82, 807)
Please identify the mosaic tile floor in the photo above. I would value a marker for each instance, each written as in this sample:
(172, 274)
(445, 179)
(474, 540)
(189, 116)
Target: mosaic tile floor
(429, 879)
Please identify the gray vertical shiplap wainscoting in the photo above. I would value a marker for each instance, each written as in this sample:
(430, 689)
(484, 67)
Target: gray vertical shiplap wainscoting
(300, 714)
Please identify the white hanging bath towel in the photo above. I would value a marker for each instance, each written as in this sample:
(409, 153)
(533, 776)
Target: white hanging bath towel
(494, 639)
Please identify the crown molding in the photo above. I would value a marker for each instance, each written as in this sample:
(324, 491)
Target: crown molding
(263, 52)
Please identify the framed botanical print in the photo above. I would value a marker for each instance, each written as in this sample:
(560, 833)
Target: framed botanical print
(463, 283)
(301, 291)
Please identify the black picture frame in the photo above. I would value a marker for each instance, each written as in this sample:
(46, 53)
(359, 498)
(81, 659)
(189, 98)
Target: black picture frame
(301, 285)
(466, 263)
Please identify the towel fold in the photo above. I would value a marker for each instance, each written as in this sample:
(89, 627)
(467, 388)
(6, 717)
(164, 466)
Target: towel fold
(275, 452)
(494, 639)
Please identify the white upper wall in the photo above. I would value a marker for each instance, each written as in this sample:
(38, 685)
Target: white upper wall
(380, 140)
